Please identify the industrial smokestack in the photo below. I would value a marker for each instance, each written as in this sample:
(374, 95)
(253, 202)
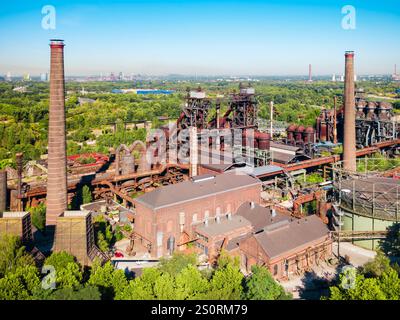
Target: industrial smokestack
(57, 164)
(310, 73)
(3, 191)
(334, 121)
(18, 160)
(349, 141)
(271, 106)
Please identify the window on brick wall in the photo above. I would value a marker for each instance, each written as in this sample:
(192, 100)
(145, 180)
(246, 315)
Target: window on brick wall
(206, 215)
(170, 225)
(181, 218)
(159, 238)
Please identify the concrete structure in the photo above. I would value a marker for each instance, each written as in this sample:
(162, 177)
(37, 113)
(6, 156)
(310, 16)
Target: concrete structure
(349, 134)
(75, 235)
(57, 160)
(16, 224)
(166, 217)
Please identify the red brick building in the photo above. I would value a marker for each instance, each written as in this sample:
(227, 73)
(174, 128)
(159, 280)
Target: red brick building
(215, 235)
(263, 236)
(166, 217)
(287, 247)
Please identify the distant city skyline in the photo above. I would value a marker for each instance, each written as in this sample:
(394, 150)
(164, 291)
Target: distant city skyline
(204, 38)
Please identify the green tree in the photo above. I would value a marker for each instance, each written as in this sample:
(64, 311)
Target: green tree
(191, 284)
(68, 271)
(262, 286)
(177, 263)
(38, 215)
(363, 289)
(13, 255)
(86, 195)
(391, 244)
(21, 284)
(109, 280)
(164, 287)
(79, 293)
(226, 283)
(104, 235)
(376, 267)
(380, 282)
(141, 288)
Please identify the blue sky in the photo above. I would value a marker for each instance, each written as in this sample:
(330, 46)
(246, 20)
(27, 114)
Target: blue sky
(203, 37)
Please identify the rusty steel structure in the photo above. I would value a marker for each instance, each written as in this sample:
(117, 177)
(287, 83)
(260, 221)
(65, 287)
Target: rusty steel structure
(127, 170)
(374, 123)
(195, 111)
(244, 108)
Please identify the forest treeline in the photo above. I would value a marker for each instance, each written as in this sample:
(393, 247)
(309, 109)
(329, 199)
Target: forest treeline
(24, 115)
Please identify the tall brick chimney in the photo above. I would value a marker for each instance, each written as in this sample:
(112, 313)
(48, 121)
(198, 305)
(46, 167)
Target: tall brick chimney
(349, 141)
(57, 163)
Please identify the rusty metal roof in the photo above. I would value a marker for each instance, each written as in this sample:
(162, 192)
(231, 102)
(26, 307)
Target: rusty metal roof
(224, 226)
(259, 216)
(190, 190)
(288, 237)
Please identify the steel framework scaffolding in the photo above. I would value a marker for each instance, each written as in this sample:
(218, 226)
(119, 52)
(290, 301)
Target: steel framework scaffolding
(367, 193)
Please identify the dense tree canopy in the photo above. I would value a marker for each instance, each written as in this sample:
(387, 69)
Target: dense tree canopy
(24, 115)
(376, 280)
(12, 255)
(68, 271)
(261, 286)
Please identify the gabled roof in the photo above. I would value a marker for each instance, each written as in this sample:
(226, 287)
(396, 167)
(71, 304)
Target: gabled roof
(191, 190)
(287, 237)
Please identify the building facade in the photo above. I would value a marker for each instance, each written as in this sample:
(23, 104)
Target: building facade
(166, 217)
(287, 248)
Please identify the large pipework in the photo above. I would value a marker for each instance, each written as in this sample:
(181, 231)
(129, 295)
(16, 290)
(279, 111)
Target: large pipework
(349, 141)
(57, 161)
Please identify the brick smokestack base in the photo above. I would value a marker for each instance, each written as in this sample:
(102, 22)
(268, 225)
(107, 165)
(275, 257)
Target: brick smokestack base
(349, 141)
(57, 162)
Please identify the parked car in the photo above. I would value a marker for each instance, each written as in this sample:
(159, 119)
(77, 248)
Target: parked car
(118, 254)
